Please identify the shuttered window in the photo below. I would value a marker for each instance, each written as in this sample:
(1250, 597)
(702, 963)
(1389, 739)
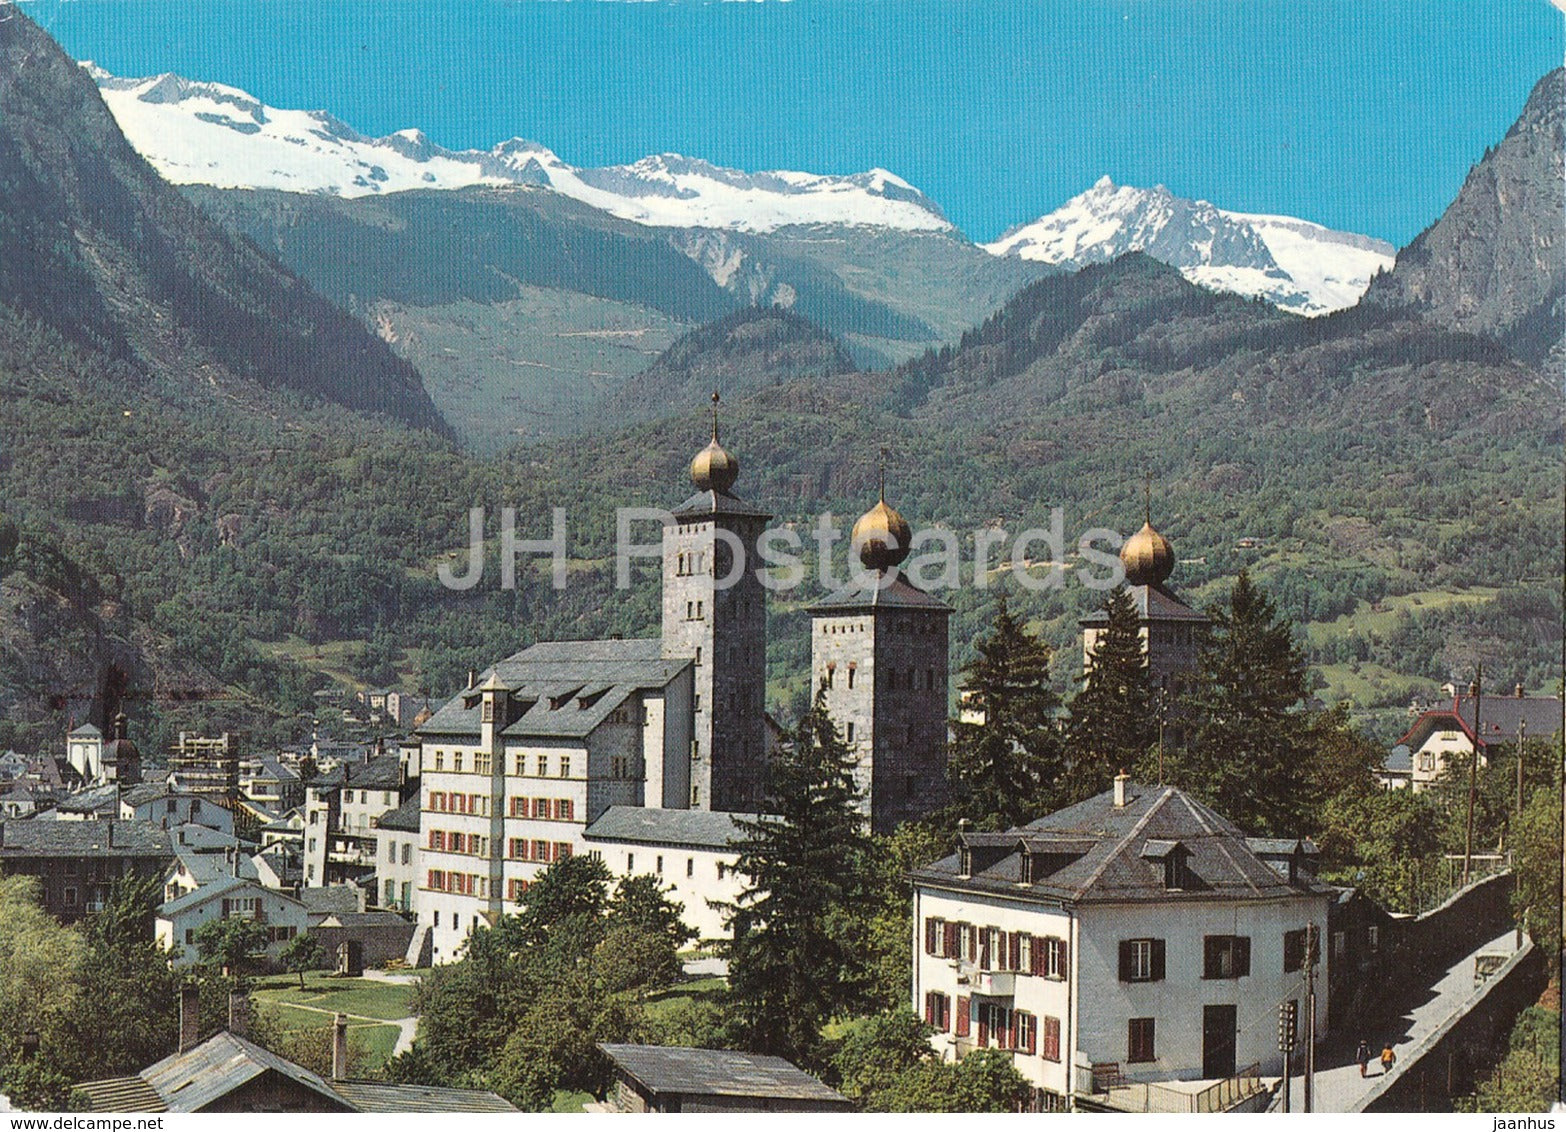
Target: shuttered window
(1226, 956)
(1139, 1041)
(1051, 1051)
(1141, 960)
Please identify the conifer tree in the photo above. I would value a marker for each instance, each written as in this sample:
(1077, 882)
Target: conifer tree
(1248, 750)
(1005, 768)
(792, 962)
(1112, 721)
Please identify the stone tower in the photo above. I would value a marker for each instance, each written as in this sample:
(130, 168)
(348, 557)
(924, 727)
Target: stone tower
(714, 612)
(1172, 632)
(879, 649)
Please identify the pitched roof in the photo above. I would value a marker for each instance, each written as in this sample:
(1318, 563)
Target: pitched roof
(331, 898)
(93, 800)
(888, 591)
(405, 818)
(111, 838)
(1499, 717)
(718, 1072)
(85, 731)
(214, 890)
(1153, 603)
(564, 689)
(1094, 852)
(706, 829)
(121, 1094)
(204, 1074)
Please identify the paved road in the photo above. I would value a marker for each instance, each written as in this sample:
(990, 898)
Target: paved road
(1338, 1083)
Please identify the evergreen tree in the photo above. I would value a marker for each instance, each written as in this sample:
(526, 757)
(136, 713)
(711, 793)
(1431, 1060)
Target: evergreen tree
(1248, 747)
(1112, 721)
(793, 965)
(1006, 769)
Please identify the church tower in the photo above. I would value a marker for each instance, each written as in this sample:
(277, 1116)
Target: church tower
(1172, 631)
(714, 612)
(879, 648)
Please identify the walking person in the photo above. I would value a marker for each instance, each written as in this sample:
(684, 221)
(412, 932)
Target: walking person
(1388, 1058)
(1362, 1055)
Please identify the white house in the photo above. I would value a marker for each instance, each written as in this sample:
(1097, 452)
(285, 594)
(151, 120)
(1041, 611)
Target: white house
(1438, 736)
(398, 857)
(692, 852)
(170, 806)
(1135, 932)
(229, 898)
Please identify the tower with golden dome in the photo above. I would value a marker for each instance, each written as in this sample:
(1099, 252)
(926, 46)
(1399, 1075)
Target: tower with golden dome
(879, 650)
(714, 613)
(1172, 631)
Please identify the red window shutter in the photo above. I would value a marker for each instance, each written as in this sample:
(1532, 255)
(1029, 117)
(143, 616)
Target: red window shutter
(1016, 951)
(562, 850)
(1052, 1039)
(1033, 1035)
(963, 1004)
(929, 942)
(950, 950)
(999, 958)
(929, 1008)
(1065, 959)
(984, 1027)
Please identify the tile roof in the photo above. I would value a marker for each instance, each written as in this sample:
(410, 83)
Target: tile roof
(717, 1072)
(707, 829)
(111, 838)
(870, 593)
(1094, 852)
(564, 688)
(1153, 603)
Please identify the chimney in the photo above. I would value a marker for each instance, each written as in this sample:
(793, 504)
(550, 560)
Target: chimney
(189, 1016)
(472, 677)
(1120, 789)
(239, 1013)
(1518, 691)
(339, 1047)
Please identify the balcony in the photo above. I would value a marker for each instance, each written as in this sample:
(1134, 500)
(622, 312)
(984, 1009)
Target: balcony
(990, 984)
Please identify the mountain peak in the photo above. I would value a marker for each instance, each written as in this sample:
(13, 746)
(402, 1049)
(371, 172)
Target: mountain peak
(1294, 264)
(199, 133)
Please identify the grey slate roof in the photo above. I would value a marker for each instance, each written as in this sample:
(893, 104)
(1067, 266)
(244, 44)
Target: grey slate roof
(85, 731)
(706, 829)
(705, 504)
(1113, 869)
(405, 818)
(94, 800)
(1499, 717)
(335, 899)
(1153, 603)
(717, 1072)
(30, 838)
(890, 591)
(567, 688)
(1399, 760)
(377, 1096)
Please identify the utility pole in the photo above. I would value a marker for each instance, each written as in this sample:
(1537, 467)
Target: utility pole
(1311, 951)
(1522, 738)
(1286, 1037)
(1163, 716)
(1476, 690)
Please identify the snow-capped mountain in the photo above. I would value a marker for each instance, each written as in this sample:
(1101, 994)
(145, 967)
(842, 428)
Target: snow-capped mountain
(1295, 264)
(209, 134)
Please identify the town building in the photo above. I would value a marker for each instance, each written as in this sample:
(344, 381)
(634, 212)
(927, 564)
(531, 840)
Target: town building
(515, 768)
(681, 1079)
(693, 854)
(1134, 937)
(265, 780)
(1172, 632)
(398, 857)
(1440, 735)
(170, 806)
(879, 653)
(342, 808)
(234, 897)
(205, 765)
(77, 863)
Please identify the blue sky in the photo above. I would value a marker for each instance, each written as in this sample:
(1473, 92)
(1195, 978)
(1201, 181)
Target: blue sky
(1360, 114)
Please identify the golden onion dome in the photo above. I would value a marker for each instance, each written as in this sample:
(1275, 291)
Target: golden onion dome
(715, 468)
(882, 536)
(1148, 557)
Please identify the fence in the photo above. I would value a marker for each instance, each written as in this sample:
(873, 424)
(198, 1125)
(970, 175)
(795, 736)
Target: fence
(1220, 1096)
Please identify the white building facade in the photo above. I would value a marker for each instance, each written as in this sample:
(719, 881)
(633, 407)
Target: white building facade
(1132, 941)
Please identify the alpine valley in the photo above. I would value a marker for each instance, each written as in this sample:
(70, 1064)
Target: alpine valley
(257, 368)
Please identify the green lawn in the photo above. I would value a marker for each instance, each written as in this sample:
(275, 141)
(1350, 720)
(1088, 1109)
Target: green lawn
(566, 1101)
(665, 1000)
(1382, 616)
(363, 997)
